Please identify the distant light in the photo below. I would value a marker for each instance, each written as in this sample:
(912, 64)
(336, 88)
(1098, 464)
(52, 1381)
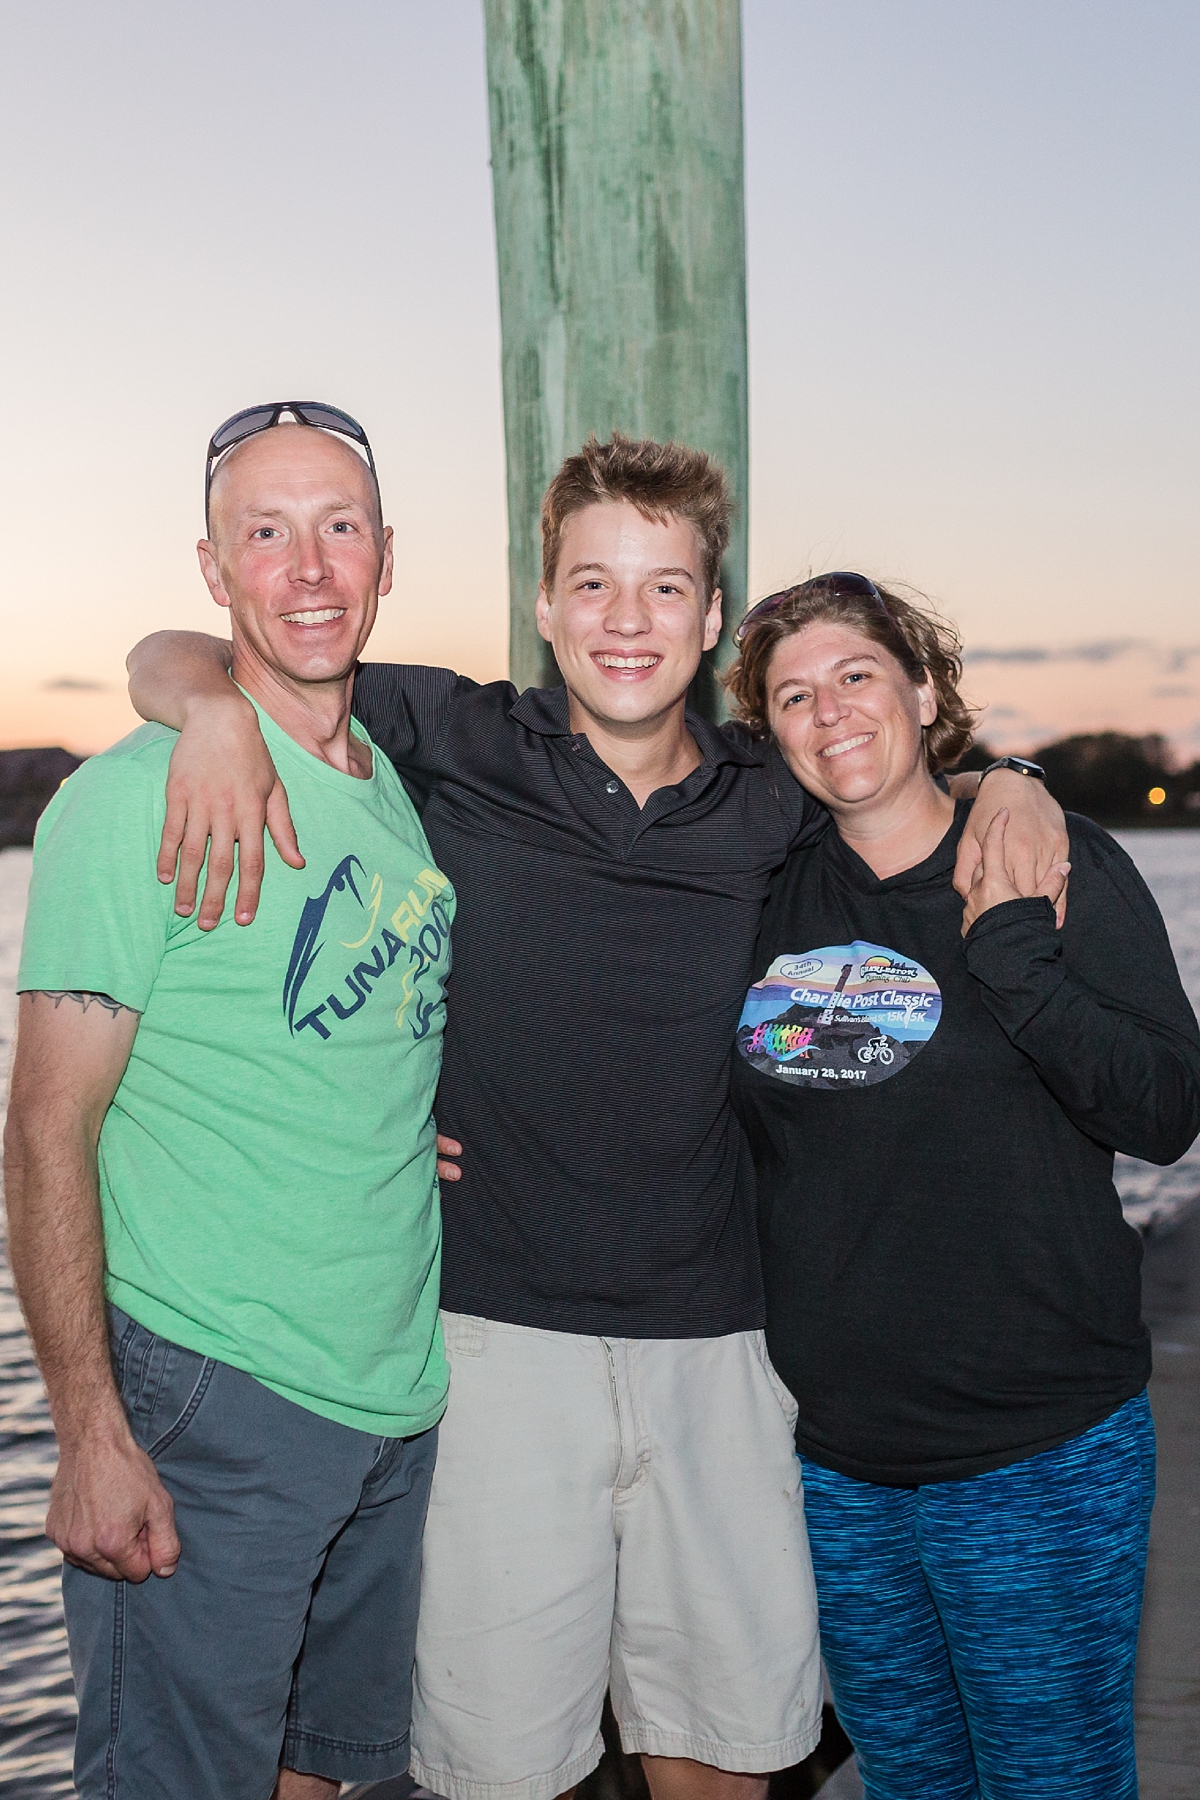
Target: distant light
(1156, 796)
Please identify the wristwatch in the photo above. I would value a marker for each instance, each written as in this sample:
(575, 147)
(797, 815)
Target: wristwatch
(1018, 764)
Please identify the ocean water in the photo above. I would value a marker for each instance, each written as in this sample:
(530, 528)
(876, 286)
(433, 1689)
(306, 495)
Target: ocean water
(36, 1706)
(1155, 1199)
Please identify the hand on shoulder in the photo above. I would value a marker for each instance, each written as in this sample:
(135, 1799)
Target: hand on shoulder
(223, 790)
(993, 883)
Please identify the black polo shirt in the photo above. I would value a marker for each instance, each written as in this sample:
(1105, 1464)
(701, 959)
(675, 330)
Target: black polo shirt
(601, 955)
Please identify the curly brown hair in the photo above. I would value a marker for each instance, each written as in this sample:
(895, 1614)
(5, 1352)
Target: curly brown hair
(924, 644)
(659, 479)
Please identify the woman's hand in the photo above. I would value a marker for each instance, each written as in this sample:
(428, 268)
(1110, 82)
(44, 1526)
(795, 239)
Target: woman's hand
(222, 789)
(1037, 830)
(993, 885)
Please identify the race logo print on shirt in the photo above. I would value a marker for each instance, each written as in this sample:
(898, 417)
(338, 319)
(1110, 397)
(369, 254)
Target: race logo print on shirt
(419, 937)
(842, 1017)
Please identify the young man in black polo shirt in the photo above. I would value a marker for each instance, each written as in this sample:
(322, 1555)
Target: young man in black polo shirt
(616, 1501)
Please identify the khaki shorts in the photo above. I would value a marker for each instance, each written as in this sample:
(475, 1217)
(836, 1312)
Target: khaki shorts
(611, 1512)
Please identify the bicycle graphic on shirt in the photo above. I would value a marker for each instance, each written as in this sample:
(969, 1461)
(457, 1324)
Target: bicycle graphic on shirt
(877, 1050)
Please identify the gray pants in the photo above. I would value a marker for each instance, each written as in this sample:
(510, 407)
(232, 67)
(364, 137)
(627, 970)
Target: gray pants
(286, 1634)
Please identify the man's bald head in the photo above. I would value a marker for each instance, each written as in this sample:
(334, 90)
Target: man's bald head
(293, 460)
(298, 555)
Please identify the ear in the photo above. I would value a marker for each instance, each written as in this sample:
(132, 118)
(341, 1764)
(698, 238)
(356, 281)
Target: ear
(927, 701)
(712, 621)
(385, 573)
(542, 613)
(210, 568)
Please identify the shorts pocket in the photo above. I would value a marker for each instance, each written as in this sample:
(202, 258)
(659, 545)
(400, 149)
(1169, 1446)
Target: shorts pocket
(147, 1360)
(161, 1384)
(791, 1410)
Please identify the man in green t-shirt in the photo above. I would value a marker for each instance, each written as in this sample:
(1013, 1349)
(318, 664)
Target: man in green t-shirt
(224, 1229)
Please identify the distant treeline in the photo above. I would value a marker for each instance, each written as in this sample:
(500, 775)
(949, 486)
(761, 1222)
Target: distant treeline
(1115, 779)
(29, 780)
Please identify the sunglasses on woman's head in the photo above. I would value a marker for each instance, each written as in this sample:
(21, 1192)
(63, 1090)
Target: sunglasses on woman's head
(840, 581)
(253, 419)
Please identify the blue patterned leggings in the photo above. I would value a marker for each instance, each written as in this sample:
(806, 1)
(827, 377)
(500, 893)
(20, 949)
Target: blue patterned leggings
(980, 1635)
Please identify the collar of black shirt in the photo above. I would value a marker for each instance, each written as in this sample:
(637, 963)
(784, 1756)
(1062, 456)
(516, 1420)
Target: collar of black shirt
(933, 870)
(545, 710)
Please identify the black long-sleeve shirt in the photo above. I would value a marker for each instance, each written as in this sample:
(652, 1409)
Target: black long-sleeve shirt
(950, 1283)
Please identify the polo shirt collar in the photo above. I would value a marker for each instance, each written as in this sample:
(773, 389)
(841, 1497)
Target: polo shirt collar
(546, 711)
(717, 746)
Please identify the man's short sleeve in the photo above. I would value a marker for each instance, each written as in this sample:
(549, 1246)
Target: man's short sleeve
(406, 709)
(808, 819)
(98, 917)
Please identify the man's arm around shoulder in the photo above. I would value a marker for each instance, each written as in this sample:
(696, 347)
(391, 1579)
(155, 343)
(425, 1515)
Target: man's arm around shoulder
(222, 786)
(109, 1512)
(223, 790)
(1035, 838)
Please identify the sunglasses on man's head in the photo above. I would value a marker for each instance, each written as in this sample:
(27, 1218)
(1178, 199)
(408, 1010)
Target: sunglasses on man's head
(253, 419)
(840, 581)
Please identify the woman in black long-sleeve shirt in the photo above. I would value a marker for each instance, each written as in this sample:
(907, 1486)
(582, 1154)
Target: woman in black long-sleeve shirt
(952, 1293)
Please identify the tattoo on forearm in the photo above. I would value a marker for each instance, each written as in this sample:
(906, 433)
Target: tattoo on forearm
(82, 999)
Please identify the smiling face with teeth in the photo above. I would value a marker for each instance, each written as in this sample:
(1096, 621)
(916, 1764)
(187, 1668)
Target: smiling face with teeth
(849, 720)
(628, 615)
(299, 557)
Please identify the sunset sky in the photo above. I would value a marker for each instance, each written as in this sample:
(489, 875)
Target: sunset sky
(974, 281)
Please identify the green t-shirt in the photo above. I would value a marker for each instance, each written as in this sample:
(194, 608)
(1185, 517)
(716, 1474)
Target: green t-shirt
(267, 1167)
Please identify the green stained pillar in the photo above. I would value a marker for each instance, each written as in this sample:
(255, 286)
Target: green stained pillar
(616, 130)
